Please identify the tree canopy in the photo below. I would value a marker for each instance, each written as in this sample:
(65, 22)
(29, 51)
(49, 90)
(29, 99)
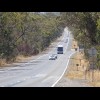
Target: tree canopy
(85, 27)
(26, 33)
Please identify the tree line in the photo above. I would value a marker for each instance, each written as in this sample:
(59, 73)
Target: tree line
(27, 33)
(85, 27)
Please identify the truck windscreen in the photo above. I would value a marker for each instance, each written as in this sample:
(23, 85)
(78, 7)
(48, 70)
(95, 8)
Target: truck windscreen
(60, 49)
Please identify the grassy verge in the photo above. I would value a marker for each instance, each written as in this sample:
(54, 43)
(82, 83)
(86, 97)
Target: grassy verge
(77, 69)
(19, 58)
(74, 71)
(2, 62)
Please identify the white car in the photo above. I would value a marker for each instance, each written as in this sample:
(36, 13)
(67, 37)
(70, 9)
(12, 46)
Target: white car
(53, 57)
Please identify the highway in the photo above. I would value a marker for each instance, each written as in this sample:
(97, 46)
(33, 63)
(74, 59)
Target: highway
(39, 71)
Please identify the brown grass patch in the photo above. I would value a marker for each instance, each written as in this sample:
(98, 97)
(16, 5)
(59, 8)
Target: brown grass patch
(2, 62)
(95, 84)
(20, 58)
(75, 75)
(94, 78)
(79, 72)
(74, 71)
(74, 44)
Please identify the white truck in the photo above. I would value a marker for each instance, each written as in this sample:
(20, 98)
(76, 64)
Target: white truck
(60, 49)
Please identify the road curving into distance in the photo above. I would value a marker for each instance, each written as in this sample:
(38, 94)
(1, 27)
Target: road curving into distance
(39, 71)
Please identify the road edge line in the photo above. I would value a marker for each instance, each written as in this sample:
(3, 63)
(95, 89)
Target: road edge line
(64, 70)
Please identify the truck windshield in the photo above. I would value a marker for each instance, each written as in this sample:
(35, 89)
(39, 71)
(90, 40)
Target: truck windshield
(60, 49)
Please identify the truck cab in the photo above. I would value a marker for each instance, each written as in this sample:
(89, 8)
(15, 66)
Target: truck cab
(60, 49)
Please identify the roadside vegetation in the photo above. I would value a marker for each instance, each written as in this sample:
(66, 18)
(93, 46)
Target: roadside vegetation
(85, 27)
(26, 33)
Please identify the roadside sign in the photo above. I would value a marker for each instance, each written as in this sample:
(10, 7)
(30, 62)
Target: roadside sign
(92, 51)
(92, 66)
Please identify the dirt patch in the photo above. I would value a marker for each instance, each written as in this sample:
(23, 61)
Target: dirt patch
(94, 78)
(74, 44)
(74, 75)
(2, 62)
(78, 69)
(21, 58)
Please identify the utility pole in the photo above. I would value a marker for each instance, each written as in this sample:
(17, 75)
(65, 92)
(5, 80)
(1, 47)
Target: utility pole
(92, 52)
(80, 62)
(92, 67)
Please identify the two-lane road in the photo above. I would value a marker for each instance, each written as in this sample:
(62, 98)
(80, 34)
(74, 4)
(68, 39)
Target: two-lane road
(39, 72)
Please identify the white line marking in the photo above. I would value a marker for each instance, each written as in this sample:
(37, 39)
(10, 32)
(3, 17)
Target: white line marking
(66, 66)
(64, 71)
(41, 56)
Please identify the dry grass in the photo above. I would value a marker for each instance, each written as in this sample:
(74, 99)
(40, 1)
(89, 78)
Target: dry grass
(80, 72)
(74, 44)
(75, 75)
(94, 78)
(77, 72)
(2, 62)
(20, 58)
(95, 84)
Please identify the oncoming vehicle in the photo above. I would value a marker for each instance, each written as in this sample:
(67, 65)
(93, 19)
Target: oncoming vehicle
(53, 57)
(60, 49)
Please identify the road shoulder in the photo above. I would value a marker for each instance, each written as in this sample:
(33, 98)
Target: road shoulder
(72, 77)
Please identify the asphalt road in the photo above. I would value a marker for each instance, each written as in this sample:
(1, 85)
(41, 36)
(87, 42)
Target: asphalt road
(39, 71)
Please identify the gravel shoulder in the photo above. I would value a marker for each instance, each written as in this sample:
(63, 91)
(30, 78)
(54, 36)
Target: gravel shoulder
(73, 77)
(68, 82)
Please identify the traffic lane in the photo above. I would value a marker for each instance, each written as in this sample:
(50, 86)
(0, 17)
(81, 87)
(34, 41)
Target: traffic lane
(22, 73)
(27, 72)
(36, 69)
(65, 46)
(62, 65)
(12, 72)
(16, 65)
(46, 71)
(36, 83)
(49, 79)
(42, 75)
